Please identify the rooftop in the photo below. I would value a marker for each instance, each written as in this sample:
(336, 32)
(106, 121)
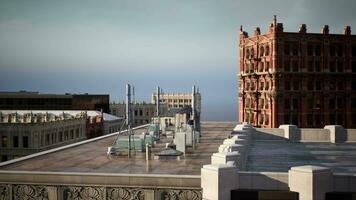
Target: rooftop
(280, 156)
(91, 157)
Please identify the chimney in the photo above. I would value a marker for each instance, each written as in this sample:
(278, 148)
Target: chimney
(325, 29)
(303, 28)
(347, 30)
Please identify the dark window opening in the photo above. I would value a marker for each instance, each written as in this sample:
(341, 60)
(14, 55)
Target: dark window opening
(286, 66)
(309, 120)
(310, 66)
(317, 50)
(310, 85)
(318, 85)
(317, 66)
(295, 66)
(287, 85)
(286, 119)
(287, 104)
(310, 50)
(4, 141)
(16, 141)
(354, 66)
(25, 141)
(332, 66)
(340, 66)
(286, 49)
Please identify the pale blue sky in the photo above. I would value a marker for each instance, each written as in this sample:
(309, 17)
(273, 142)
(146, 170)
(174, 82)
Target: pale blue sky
(98, 46)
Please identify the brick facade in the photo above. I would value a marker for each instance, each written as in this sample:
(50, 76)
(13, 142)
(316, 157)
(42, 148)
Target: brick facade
(306, 79)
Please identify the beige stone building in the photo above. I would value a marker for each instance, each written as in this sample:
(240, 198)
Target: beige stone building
(142, 112)
(178, 100)
(25, 132)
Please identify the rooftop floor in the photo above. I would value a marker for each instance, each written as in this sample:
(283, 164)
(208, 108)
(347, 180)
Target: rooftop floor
(91, 157)
(281, 155)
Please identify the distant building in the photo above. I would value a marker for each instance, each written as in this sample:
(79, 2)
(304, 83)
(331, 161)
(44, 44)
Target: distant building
(25, 100)
(24, 132)
(300, 78)
(178, 100)
(142, 112)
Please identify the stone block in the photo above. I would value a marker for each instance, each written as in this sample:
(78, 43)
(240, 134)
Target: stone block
(291, 132)
(337, 133)
(311, 182)
(217, 181)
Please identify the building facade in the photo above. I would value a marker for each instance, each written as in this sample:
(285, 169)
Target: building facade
(178, 100)
(306, 79)
(142, 112)
(25, 100)
(23, 133)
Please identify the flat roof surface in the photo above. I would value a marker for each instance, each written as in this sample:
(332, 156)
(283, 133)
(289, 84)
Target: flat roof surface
(91, 157)
(280, 156)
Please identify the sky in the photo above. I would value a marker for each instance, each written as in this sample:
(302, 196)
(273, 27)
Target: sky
(92, 46)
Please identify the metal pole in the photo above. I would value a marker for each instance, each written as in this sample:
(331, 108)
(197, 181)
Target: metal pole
(128, 116)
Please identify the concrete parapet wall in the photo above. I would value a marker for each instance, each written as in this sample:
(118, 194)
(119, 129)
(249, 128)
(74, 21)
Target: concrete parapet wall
(350, 135)
(344, 182)
(263, 181)
(314, 135)
(268, 134)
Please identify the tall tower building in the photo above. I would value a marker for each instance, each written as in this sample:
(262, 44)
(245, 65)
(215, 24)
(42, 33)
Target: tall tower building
(300, 78)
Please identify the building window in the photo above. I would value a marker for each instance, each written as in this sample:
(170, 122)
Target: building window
(60, 136)
(286, 119)
(15, 141)
(332, 50)
(286, 49)
(295, 66)
(353, 50)
(310, 66)
(317, 85)
(309, 120)
(340, 103)
(4, 141)
(317, 120)
(332, 66)
(340, 66)
(295, 104)
(317, 66)
(295, 85)
(340, 50)
(310, 85)
(287, 84)
(267, 85)
(332, 118)
(354, 66)
(295, 48)
(262, 51)
(287, 104)
(310, 103)
(267, 50)
(136, 112)
(332, 104)
(317, 50)
(353, 85)
(339, 119)
(25, 141)
(353, 103)
(286, 66)
(47, 139)
(340, 85)
(77, 133)
(295, 119)
(310, 50)
(141, 112)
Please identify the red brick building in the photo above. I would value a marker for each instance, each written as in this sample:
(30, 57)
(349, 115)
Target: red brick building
(300, 78)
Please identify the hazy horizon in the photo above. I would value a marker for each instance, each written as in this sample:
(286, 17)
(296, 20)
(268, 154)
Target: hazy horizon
(99, 46)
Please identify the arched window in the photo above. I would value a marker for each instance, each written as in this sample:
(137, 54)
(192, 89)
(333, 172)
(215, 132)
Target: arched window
(262, 51)
(267, 50)
(247, 53)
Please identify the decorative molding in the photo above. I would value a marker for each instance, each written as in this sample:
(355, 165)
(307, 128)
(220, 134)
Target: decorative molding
(83, 192)
(30, 192)
(5, 192)
(125, 193)
(183, 195)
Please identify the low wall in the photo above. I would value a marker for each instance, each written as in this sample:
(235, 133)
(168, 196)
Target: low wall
(268, 134)
(263, 181)
(314, 134)
(100, 186)
(351, 135)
